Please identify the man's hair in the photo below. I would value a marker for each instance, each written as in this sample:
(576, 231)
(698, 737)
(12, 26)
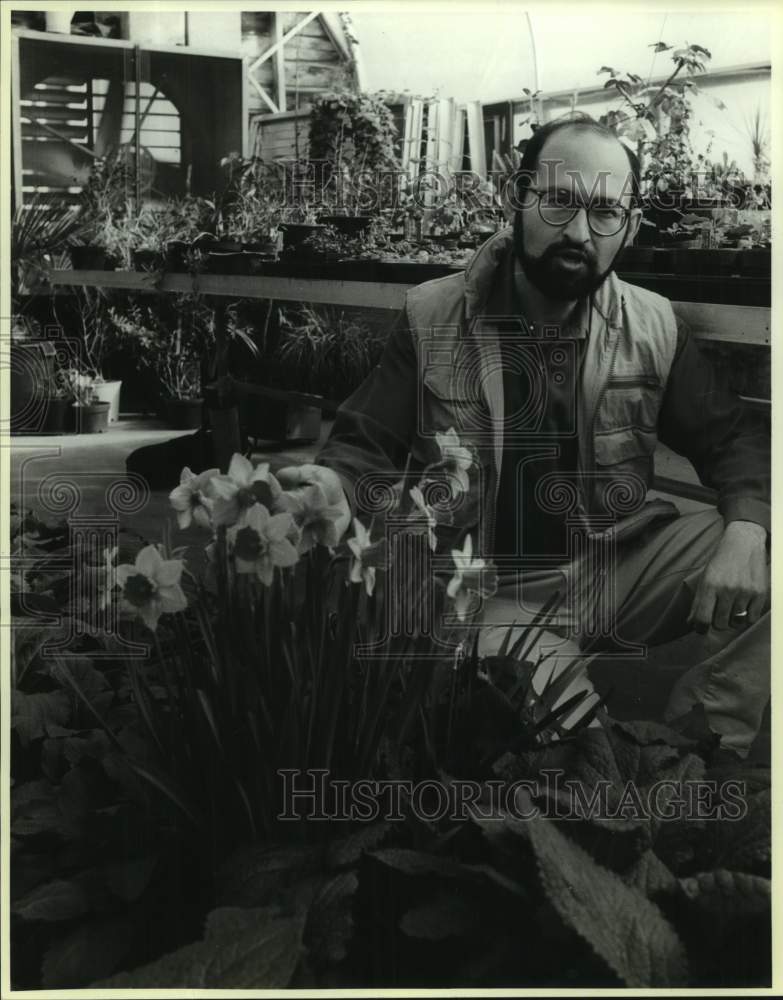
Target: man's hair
(582, 122)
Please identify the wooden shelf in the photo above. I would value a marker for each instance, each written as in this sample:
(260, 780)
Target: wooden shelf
(723, 309)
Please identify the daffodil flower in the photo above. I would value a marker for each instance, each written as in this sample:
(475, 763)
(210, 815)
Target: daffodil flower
(363, 566)
(110, 575)
(471, 577)
(424, 512)
(260, 541)
(315, 516)
(190, 501)
(151, 586)
(456, 458)
(243, 486)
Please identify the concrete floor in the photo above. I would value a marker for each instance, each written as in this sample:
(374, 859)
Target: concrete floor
(52, 474)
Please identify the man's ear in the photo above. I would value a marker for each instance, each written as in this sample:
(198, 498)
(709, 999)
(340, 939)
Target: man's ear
(634, 222)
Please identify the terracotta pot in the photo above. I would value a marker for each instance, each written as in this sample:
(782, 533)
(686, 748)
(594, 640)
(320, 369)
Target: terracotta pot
(92, 418)
(58, 415)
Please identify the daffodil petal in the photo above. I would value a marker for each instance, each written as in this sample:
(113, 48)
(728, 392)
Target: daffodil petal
(148, 561)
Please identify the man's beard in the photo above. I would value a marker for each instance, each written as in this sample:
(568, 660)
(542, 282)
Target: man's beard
(555, 282)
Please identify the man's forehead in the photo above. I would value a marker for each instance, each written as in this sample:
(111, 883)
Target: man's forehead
(582, 159)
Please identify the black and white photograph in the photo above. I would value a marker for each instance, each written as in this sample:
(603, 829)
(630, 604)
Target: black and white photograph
(387, 498)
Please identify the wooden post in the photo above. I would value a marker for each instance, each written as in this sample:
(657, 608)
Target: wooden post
(280, 61)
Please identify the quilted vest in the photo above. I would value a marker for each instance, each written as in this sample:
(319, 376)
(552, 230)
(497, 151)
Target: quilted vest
(631, 343)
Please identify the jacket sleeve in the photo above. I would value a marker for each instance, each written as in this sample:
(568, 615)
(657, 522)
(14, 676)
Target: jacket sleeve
(374, 427)
(702, 419)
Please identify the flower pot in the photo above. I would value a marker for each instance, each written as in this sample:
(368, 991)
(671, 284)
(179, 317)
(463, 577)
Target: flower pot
(109, 392)
(296, 233)
(267, 248)
(92, 418)
(183, 414)
(90, 258)
(57, 415)
(147, 260)
(59, 20)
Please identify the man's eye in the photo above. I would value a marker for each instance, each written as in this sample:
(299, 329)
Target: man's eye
(607, 211)
(559, 199)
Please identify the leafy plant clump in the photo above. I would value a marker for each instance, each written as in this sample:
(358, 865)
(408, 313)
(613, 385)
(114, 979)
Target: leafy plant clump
(151, 744)
(327, 351)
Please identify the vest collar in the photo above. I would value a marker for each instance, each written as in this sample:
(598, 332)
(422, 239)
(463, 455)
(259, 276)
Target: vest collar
(480, 276)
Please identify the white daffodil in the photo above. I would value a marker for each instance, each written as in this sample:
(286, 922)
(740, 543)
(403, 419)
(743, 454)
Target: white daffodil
(190, 501)
(243, 486)
(316, 517)
(260, 541)
(151, 586)
(456, 458)
(109, 573)
(424, 512)
(361, 547)
(471, 577)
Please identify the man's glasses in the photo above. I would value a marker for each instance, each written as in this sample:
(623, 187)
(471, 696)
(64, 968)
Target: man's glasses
(558, 208)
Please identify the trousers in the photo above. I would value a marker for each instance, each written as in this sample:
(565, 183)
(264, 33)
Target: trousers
(624, 610)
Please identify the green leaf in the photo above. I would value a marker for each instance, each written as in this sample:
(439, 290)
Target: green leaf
(129, 879)
(330, 920)
(722, 892)
(651, 876)
(348, 850)
(626, 930)
(420, 864)
(242, 949)
(57, 900)
(254, 874)
(443, 917)
(747, 842)
(32, 713)
(91, 950)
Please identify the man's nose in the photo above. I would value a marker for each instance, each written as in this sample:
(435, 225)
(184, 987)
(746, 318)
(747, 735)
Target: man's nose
(577, 229)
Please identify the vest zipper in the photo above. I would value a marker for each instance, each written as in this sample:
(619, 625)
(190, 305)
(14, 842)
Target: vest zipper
(610, 377)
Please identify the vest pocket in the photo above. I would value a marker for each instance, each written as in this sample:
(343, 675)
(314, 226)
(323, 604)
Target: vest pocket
(630, 403)
(615, 446)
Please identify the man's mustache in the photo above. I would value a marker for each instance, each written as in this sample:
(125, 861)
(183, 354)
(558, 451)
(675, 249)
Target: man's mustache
(573, 248)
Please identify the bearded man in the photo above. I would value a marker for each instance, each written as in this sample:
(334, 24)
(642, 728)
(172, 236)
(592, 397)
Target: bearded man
(562, 378)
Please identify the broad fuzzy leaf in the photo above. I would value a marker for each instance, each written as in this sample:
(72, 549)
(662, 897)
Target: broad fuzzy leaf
(747, 842)
(722, 892)
(624, 928)
(243, 949)
(651, 876)
(445, 916)
(91, 950)
(419, 864)
(57, 900)
(32, 713)
(254, 874)
(346, 852)
(330, 920)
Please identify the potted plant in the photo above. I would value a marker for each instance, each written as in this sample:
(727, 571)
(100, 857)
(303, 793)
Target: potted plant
(58, 403)
(107, 212)
(92, 414)
(99, 338)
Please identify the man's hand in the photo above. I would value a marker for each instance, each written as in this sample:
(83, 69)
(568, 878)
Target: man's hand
(295, 478)
(735, 580)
